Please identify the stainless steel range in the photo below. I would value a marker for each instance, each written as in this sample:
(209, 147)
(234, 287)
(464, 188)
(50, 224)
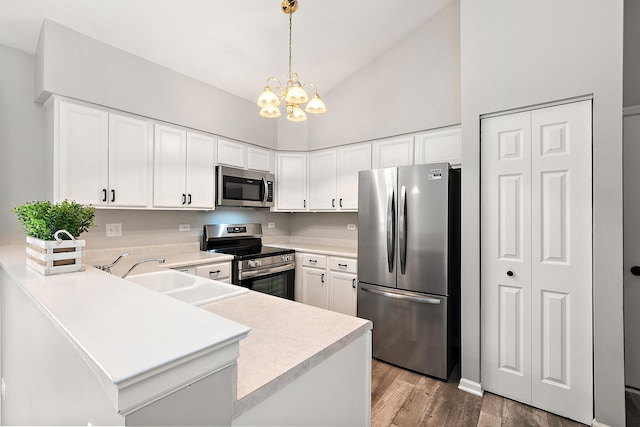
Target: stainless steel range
(261, 268)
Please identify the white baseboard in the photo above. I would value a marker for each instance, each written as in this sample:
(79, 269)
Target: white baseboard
(595, 423)
(471, 387)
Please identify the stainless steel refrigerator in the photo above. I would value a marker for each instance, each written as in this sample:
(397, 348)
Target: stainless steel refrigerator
(409, 265)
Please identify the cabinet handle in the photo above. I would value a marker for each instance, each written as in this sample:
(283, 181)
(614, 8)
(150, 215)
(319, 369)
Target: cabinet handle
(342, 265)
(304, 203)
(113, 196)
(184, 199)
(353, 283)
(322, 278)
(509, 273)
(215, 272)
(189, 198)
(104, 194)
(333, 203)
(340, 203)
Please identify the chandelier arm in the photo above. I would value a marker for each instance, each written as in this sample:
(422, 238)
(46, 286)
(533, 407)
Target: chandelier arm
(315, 89)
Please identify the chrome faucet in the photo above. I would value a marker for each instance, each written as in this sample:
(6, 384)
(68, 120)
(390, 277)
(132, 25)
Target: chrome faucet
(107, 267)
(160, 260)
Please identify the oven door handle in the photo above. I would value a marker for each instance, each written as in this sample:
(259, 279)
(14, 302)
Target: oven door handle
(266, 271)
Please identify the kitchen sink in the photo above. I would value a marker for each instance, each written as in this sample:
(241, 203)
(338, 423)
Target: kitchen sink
(186, 287)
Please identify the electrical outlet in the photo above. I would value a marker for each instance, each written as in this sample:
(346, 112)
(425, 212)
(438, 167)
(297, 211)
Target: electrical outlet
(184, 227)
(114, 230)
(351, 227)
(271, 225)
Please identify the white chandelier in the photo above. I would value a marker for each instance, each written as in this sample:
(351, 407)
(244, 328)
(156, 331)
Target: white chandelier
(293, 92)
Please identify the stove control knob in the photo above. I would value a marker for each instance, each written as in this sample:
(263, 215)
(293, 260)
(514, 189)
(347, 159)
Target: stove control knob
(254, 263)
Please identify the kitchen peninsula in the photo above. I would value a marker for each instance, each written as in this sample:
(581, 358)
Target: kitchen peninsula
(89, 347)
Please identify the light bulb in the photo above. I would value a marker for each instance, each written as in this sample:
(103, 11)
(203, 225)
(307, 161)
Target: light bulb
(296, 95)
(295, 114)
(268, 98)
(270, 112)
(315, 105)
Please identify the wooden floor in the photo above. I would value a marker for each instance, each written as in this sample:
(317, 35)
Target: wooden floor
(404, 398)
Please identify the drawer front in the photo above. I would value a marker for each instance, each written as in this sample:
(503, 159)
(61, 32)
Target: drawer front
(188, 269)
(218, 271)
(313, 260)
(347, 265)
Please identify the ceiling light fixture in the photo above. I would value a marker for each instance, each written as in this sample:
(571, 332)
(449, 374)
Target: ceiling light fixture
(293, 92)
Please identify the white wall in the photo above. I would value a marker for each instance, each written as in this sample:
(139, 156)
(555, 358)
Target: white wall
(517, 54)
(71, 64)
(22, 140)
(631, 53)
(325, 225)
(413, 86)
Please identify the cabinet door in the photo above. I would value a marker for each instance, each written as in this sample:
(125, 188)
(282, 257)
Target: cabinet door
(393, 152)
(314, 287)
(342, 293)
(439, 146)
(351, 160)
(200, 171)
(259, 159)
(169, 171)
(232, 153)
(129, 162)
(322, 180)
(83, 154)
(291, 181)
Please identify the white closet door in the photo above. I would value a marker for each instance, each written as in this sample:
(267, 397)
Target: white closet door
(536, 249)
(562, 260)
(505, 249)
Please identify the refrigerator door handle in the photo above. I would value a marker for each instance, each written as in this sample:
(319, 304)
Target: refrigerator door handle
(423, 300)
(391, 229)
(402, 229)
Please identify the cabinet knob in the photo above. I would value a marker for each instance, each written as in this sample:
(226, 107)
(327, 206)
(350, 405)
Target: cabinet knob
(509, 273)
(635, 270)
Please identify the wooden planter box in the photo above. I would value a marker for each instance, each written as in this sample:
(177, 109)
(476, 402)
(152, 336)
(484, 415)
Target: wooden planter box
(55, 257)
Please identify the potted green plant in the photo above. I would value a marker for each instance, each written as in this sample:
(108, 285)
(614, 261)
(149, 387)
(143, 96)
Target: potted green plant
(52, 230)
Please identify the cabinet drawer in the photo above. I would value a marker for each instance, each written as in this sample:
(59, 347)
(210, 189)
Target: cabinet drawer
(313, 260)
(347, 265)
(214, 271)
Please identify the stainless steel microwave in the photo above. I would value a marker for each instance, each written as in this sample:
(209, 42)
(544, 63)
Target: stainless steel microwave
(239, 187)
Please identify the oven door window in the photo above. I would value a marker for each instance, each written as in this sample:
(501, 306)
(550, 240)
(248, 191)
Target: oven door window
(237, 188)
(278, 284)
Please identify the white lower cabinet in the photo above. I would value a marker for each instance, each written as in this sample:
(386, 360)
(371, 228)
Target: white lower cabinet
(220, 271)
(314, 280)
(329, 282)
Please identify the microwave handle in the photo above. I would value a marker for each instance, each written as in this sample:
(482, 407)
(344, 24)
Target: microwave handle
(266, 190)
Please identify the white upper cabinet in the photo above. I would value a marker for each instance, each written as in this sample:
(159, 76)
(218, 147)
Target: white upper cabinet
(259, 159)
(322, 180)
(183, 169)
(351, 160)
(129, 161)
(200, 171)
(393, 152)
(439, 146)
(291, 181)
(232, 153)
(100, 158)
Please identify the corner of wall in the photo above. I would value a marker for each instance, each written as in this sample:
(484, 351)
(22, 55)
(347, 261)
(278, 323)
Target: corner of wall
(39, 94)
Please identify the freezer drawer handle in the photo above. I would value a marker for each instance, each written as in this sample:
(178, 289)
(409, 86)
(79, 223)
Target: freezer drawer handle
(635, 270)
(423, 300)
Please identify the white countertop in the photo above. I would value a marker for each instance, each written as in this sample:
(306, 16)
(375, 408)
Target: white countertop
(319, 249)
(286, 340)
(124, 330)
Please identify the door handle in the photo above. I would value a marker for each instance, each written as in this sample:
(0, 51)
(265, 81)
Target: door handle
(402, 230)
(391, 229)
(266, 191)
(635, 270)
(113, 196)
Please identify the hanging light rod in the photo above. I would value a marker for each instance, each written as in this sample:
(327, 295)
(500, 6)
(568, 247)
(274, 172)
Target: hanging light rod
(292, 92)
